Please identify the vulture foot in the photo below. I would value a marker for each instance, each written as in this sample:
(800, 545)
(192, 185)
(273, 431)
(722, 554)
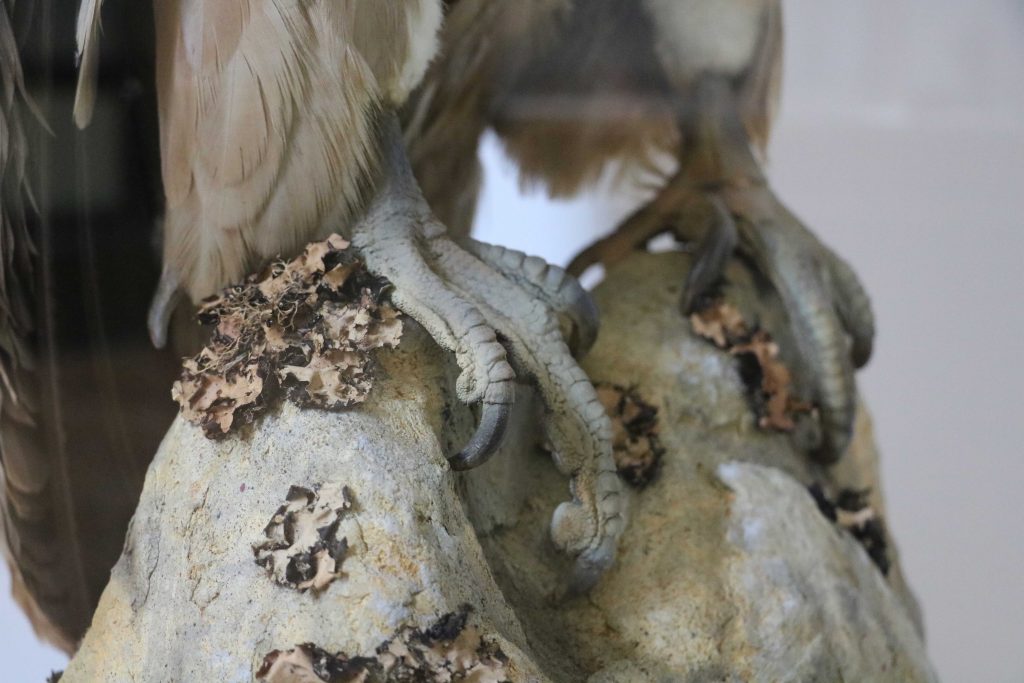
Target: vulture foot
(499, 312)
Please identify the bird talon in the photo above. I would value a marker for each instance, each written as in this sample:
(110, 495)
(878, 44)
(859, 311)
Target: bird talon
(712, 256)
(496, 310)
(559, 290)
(486, 440)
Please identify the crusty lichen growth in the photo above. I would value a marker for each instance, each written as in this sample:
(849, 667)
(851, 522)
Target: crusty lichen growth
(637, 448)
(851, 511)
(769, 380)
(447, 652)
(304, 329)
(301, 549)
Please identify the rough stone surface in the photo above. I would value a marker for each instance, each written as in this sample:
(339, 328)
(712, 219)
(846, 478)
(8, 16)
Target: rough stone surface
(676, 606)
(187, 601)
(728, 571)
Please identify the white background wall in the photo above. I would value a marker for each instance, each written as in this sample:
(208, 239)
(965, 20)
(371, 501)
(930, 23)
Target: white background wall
(901, 143)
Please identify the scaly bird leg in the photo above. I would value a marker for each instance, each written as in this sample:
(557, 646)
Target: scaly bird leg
(828, 308)
(465, 302)
(553, 285)
(720, 200)
(672, 203)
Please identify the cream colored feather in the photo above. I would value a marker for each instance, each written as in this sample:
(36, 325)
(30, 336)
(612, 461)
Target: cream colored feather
(267, 118)
(88, 38)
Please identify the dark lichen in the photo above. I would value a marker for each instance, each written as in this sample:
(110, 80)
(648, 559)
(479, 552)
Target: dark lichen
(302, 548)
(450, 650)
(636, 446)
(852, 511)
(302, 329)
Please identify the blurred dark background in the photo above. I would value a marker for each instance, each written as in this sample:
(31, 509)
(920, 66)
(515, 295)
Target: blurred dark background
(106, 391)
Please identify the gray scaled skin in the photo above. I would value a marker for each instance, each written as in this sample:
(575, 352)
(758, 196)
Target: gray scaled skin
(721, 200)
(498, 312)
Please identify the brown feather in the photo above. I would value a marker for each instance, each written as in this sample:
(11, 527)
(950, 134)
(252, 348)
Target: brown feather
(267, 121)
(87, 36)
(569, 87)
(40, 544)
(573, 87)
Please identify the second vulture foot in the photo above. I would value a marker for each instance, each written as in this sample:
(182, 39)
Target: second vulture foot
(828, 309)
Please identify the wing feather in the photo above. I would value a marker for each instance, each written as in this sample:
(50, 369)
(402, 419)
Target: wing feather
(267, 125)
(38, 533)
(87, 36)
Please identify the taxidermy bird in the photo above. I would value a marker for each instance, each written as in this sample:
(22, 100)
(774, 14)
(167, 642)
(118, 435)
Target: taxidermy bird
(574, 86)
(278, 126)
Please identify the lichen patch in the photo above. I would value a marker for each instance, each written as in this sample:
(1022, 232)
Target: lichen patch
(302, 549)
(636, 446)
(769, 380)
(304, 329)
(449, 651)
(852, 512)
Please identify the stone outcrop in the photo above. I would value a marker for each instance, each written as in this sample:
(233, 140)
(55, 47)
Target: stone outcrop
(731, 569)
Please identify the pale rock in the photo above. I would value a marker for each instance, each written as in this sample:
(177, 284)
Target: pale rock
(728, 571)
(676, 606)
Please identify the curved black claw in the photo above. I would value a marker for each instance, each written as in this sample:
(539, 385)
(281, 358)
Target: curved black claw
(825, 324)
(486, 440)
(713, 253)
(828, 308)
(854, 309)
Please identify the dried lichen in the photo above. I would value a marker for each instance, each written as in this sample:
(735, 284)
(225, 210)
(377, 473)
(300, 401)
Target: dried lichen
(636, 446)
(302, 549)
(721, 323)
(303, 329)
(448, 651)
(852, 512)
(770, 381)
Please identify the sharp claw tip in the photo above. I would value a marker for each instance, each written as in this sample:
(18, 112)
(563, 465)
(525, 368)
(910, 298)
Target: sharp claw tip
(465, 460)
(585, 330)
(861, 356)
(485, 441)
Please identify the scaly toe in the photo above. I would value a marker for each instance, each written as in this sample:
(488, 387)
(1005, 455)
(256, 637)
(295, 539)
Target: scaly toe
(853, 307)
(577, 425)
(558, 290)
(797, 266)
